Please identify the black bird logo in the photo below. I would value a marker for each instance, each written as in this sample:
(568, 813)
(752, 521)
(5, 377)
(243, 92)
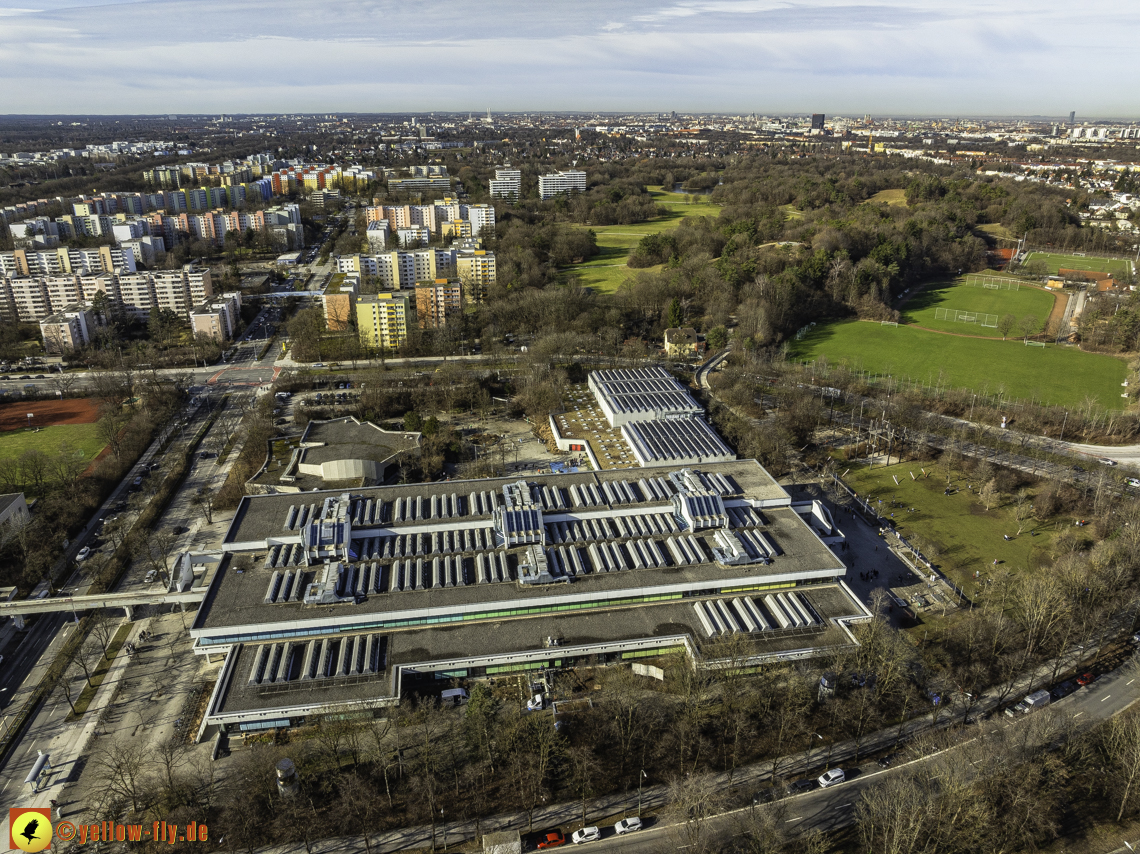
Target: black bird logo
(29, 831)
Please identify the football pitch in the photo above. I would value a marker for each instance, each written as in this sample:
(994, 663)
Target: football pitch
(1054, 375)
(955, 306)
(1055, 262)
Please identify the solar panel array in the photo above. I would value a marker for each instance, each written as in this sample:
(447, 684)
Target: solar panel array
(681, 441)
(326, 658)
(789, 610)
(641, 391)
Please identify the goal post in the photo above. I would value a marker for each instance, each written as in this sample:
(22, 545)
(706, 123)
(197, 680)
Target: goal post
(888, 323)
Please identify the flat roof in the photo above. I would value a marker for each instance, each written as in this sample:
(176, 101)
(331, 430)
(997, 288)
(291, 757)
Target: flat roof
(682, 441)
(449, 647)
(412, 564)
(642, 391)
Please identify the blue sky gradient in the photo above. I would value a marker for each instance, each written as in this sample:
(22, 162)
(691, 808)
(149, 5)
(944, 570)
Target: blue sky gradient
(928, 57)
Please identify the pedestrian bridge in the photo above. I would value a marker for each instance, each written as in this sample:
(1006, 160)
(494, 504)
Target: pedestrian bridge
(126, 601)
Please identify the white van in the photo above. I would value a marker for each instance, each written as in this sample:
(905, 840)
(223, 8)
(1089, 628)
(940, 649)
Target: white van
(453, 697)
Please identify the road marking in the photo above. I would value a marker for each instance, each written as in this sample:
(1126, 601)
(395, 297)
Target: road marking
(842, 806)
(1077, 715)
(1105, 697)
(1130, 681)
(790, 820)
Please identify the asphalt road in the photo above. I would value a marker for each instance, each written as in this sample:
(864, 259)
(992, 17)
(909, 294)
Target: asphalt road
(835, 807)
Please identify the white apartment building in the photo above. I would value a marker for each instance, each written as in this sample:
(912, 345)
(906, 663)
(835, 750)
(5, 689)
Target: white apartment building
(62, 261)
(377, 235)
(507, 184)
(481, 217)
(558, 183)
(399, 270)
(34, 298)
(413, 236)
(69, 329)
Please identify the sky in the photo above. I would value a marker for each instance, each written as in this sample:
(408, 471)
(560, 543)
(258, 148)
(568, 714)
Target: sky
(892, 57)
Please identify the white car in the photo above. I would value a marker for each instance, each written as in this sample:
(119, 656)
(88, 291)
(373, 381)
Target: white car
(1132, 481)
(831, 778)
(586, 834)
(627, 825)
(84, 553)
(150, 576)
(1107, 461)
(535, 703)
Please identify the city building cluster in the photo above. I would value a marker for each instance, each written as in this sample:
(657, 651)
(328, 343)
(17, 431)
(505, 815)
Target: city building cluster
(417, 225)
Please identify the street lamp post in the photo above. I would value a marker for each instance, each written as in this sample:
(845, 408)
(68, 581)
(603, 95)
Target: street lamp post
(640, 780)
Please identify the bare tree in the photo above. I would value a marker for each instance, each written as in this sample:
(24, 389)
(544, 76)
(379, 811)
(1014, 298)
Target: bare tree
(1005, 325)
(103, 628)
(692, 801)
(124, 768)
(1121, 744)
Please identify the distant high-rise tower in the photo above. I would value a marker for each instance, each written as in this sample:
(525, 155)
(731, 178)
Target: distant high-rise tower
(817, 121)
(1072, 118)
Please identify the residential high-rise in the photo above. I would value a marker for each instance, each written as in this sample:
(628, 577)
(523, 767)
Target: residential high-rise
(437, 301)
(476, 269)
(507, 184)
(382, 320)
(558, 183)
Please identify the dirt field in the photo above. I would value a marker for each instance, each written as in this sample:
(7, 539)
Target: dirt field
(14, 416)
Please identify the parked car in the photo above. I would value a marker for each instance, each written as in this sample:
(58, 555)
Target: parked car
(535, 703)
(1132, 481)
(627, 825)
(586, 834)
(831, 778)
(1064, 689)
(180, 529)
(887, 761)
(84, 553)
(1085, 679)
(1108, 461)
(150, 576)
(798, 787)
(554, 839)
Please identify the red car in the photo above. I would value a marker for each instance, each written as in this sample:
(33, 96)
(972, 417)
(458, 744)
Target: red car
(552, 840)
(1085, 679)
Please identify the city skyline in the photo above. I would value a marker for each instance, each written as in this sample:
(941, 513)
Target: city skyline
(895, 58)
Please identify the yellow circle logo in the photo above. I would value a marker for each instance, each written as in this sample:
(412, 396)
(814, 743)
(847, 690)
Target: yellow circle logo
(31, 831)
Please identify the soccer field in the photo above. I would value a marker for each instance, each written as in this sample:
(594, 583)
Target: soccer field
(936, 305)
(1055, 375)
(83, 438)
(1055, 262)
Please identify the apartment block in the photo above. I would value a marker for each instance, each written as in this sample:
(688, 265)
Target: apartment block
(481, 217)
(559, 183)
(217, 319)
(377, 235)
(382, 319)
(61, 260)
(507, 184)
(338, 300)
(68, 330)
(437, 301)
(413, 236)
(476, 269)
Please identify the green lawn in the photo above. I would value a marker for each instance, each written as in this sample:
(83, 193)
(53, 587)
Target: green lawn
(1055, 262)
(84, 438)
(1056, 375)
(996, 229)
(922, 309)
(607, 270)
(967, 537)
(889, 197)
(792, 212)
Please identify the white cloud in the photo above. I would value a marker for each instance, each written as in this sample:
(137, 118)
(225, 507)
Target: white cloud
(889, 56)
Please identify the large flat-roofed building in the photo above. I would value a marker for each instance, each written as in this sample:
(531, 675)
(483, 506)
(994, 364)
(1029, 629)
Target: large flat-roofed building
(678, 442)
(346, 598)
(641, 394)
